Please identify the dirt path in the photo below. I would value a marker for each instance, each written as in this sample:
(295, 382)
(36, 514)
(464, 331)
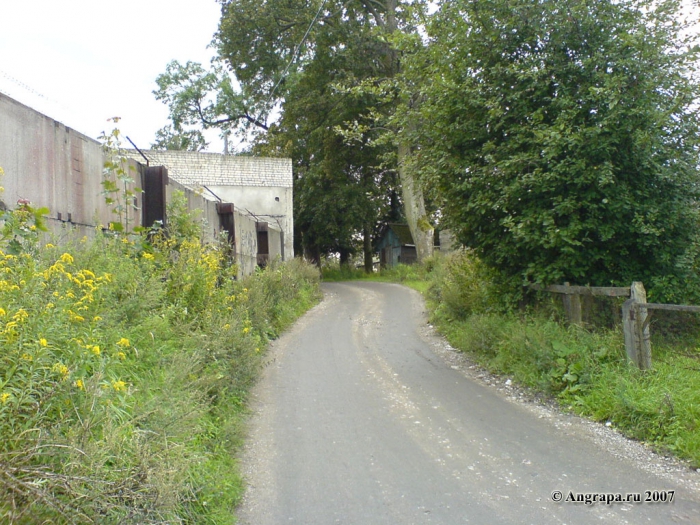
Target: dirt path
(365, 417)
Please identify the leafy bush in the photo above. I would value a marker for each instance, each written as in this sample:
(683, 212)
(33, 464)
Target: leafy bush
(567, 152)
(462, 285)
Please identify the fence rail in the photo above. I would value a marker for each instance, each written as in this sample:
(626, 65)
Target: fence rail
(635, 314)
(566, 289)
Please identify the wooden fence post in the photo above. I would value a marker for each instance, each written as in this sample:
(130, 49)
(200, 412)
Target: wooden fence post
(636, 327)
(572, 307)
(629, 329)
(639, 294)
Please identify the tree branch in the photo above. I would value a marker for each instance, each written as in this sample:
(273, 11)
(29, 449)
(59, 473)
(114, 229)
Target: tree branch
(215, 123)
(373, 11)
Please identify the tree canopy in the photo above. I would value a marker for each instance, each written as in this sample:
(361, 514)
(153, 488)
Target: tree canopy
(559, 139)
(562, 138)
(280, 68)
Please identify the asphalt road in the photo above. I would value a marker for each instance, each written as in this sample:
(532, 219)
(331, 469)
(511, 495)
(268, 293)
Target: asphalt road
(364, 417)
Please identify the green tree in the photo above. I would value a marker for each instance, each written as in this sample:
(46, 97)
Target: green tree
(172, 138)
(268, 45)
(562, 137)
(339, 188)
(202, 98)
(278, 49)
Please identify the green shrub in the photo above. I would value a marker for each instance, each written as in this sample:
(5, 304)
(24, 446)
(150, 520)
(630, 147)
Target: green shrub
(461, 285)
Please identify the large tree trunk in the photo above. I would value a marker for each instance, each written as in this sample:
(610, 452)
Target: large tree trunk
(422, 231)
(313, 254)
(344, 256)
(367, 248)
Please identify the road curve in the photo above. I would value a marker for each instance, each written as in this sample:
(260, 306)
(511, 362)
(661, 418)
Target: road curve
(362, 418)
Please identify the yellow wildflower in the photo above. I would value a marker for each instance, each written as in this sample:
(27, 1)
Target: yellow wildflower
(2, 312)
(66, 258)
(121, 355)
(97, 318)
(123, 342)
(148, 256)
(119, 386)
(49, 245)
(49, 306)
(226, 326)
(21, 315)
(4, 397)
(246, 330)
(95, 350)
(62, 369)
(27, 357)
(43, 342)
(84, 239)
(79, 384)
(75, 317)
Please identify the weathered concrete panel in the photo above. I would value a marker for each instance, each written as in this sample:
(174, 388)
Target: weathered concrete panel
(246, 243)
(54, 166)
(269, 204)
(260, 187)
(274, 238)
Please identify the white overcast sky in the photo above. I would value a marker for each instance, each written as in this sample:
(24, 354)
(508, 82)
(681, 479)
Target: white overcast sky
(84, 61)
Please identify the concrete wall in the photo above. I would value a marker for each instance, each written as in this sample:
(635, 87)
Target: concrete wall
(274, 240)
(272, 205)
(259, 186)
(246, 244)
(56, 167)
(195, 201)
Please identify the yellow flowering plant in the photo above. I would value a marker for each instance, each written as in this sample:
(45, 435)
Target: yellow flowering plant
(115, 366)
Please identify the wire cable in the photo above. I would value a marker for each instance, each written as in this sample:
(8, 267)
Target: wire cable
(294, 56)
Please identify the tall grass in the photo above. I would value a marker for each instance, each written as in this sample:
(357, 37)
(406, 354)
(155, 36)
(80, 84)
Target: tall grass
(124, 369)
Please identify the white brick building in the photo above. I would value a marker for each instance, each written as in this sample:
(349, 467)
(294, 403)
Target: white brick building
(259, 187)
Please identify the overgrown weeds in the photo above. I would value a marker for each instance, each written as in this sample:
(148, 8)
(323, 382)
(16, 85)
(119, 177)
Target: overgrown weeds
(124, 371)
